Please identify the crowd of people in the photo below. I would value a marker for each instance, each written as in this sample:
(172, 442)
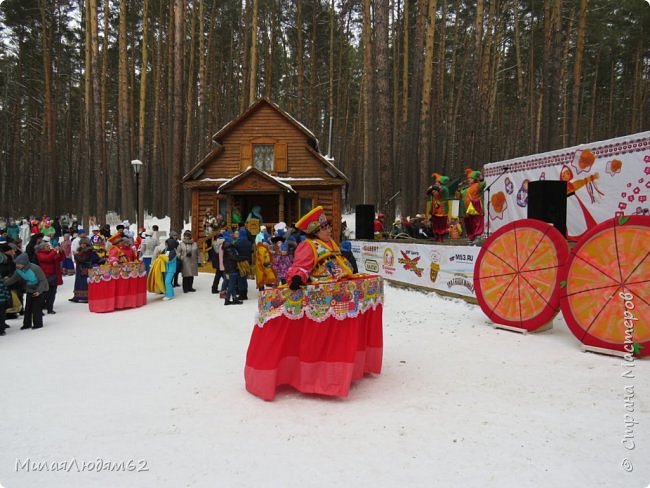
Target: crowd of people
(269, 257)
(37, 253)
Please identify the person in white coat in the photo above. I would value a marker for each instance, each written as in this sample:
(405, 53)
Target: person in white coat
(147, 249)
(188, 254)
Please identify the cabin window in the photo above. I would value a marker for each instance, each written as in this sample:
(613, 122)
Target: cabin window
(264, 157)
(306, 204)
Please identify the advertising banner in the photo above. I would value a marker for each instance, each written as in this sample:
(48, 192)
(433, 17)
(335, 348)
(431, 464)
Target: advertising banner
(604, 179)
(448, 269)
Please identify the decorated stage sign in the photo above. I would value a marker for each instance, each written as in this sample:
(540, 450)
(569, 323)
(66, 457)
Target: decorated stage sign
(604, 179)
(448, 269)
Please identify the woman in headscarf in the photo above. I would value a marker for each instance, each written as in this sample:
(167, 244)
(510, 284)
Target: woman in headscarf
(85, 258)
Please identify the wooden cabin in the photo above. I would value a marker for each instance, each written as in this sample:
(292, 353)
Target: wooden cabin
(264, 158)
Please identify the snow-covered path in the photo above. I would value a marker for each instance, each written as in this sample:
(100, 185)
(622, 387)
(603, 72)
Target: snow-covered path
(159, 392)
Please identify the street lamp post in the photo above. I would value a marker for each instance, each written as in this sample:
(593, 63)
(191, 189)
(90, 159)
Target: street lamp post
(139, 219)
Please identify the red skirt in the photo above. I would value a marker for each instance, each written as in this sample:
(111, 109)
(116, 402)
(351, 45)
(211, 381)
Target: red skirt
(314, 357)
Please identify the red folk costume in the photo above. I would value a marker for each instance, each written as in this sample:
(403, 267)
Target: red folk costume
(321, 337)
(316, 259)
(121, 253)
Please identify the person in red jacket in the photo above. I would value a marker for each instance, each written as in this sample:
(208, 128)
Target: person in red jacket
(379, 224)
(50, 261)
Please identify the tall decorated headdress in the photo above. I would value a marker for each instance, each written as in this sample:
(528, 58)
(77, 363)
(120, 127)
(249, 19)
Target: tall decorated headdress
(312, 221)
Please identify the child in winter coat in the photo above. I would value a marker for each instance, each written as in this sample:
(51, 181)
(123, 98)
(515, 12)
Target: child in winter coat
(281, 262)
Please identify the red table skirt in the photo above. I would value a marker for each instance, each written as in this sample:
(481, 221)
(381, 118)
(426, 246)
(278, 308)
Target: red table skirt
(314, 357)
(117, 292)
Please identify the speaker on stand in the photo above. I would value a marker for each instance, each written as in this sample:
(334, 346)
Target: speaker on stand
(365, 222)
(547, 202)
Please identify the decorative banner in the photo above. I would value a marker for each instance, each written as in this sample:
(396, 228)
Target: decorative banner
(107, 272)
(605, 179)
(517, 274)
(606, 300)
(318, 302)
(448, 269)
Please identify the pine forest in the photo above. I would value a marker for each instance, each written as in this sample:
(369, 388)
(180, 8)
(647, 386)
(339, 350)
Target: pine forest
(392, 89)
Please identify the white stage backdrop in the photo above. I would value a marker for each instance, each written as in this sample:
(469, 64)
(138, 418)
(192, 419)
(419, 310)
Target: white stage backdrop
(447, 269)
(609, 178)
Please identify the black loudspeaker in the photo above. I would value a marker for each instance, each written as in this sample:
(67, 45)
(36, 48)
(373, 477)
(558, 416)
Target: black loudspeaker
(365, 222)
(547, 202)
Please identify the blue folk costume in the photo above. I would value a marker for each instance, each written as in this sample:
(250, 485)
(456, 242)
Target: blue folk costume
(86, 258)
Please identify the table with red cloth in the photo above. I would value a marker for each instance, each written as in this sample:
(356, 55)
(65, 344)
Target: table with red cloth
(115, 287)
(317, 339)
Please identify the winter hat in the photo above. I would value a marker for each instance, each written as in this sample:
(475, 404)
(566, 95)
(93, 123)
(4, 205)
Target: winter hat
(284, 246)
(227, 236)
(346, 246)
(22, 259)
(4, 247)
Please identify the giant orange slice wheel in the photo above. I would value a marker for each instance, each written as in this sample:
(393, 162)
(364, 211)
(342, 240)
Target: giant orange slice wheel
(606, 300)
(516, 276)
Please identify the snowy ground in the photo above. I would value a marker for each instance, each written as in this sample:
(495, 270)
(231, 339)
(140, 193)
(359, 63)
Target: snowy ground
(458, 404)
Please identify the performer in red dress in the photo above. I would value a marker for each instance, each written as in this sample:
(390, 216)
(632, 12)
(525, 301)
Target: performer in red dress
(317, 258)
(322, 333)
(121, 252)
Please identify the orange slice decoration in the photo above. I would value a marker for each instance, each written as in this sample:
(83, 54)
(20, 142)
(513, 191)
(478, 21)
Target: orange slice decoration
(606, 302)
(516, 275)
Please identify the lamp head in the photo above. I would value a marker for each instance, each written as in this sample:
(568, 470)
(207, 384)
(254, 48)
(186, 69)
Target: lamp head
(137, 165)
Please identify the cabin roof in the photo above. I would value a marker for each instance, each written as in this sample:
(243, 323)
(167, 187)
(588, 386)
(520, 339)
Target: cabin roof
(312, 144)
(251, 171)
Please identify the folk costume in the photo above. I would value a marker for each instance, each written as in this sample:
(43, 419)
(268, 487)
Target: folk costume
(121, 252)
(315, 259)
(474, 223)
(85, 258)
(323, 337)
(264, 274)
(439, 194)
